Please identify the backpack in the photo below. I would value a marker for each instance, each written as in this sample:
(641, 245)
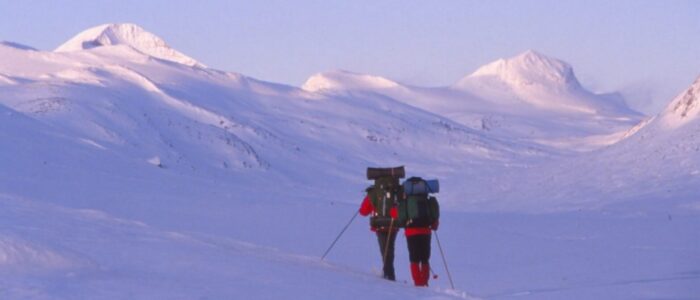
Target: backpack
(418, 208)
(384, 196)
(396, 172)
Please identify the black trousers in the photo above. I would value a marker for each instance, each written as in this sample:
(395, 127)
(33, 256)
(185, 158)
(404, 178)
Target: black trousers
(419, 248)
(387, 239)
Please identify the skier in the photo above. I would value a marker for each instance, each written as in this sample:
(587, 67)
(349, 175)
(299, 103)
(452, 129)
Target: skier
(386, 235)
(418, 241)
(419, 213)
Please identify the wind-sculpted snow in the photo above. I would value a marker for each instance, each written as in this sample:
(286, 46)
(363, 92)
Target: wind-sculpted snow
(18, 253)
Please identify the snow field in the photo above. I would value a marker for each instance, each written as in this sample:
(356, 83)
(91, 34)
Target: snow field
(129, 171)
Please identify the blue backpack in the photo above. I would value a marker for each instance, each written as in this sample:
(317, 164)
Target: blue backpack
(418, 208)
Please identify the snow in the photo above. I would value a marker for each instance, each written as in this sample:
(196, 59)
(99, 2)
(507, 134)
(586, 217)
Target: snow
(530, 97)
(125, 34)
(684, 108)
(541, 81)
(124, 176)
(339, 80)
(16, 45)
(529, 68)
(6, 80)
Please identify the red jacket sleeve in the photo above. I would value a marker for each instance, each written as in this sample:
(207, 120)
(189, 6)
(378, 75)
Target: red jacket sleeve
(366, 208)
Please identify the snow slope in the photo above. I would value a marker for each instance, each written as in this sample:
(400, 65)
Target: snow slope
(125, 175)
(656, 165)
(90, 260)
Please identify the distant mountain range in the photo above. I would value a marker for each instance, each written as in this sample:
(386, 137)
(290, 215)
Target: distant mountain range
(117, 101)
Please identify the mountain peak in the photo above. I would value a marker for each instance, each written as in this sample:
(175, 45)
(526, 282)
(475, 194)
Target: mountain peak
(541, 81)
(346, 80)
(125, 34)
(529, 68)
(684, 107)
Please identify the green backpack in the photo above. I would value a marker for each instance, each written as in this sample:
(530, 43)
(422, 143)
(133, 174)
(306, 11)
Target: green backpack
(417, 209)
(384, 196)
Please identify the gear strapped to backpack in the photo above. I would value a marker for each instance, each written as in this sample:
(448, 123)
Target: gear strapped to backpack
(384, 195)
(418, 208)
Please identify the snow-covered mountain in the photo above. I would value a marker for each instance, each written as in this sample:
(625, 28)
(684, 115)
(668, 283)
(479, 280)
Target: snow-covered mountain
(657, 163)
(684, 109)
(121, 104)
(530, 97)
(129, 170)
(544, 82)
(126, 34)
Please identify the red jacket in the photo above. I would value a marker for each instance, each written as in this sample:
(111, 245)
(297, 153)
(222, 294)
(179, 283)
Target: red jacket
(367, 208)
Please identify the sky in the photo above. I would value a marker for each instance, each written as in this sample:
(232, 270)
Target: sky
(647, 50)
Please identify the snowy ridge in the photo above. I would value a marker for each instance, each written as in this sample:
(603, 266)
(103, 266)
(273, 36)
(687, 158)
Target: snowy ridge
(684, 108)
(16, 45)
(528, 97)
(6, 80)
(345, 80)
(126, 34)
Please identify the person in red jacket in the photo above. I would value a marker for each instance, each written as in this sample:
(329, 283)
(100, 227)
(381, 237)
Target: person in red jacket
(386, 235)
(418, 241)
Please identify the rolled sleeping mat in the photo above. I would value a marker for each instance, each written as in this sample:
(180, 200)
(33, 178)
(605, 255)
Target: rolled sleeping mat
(397, 172)
(433, 186)
(417, 186)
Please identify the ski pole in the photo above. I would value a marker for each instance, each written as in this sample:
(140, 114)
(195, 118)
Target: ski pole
(340, 234)
(444, 261)
(388, 239)
(435, 275)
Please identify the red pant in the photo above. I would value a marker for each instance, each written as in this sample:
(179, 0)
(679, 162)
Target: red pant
(419, 255)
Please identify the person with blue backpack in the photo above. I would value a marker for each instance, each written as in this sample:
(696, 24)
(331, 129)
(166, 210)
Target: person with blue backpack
(419, 213)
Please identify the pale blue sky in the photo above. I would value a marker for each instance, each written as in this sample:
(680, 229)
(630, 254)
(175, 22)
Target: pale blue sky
(649, 50)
